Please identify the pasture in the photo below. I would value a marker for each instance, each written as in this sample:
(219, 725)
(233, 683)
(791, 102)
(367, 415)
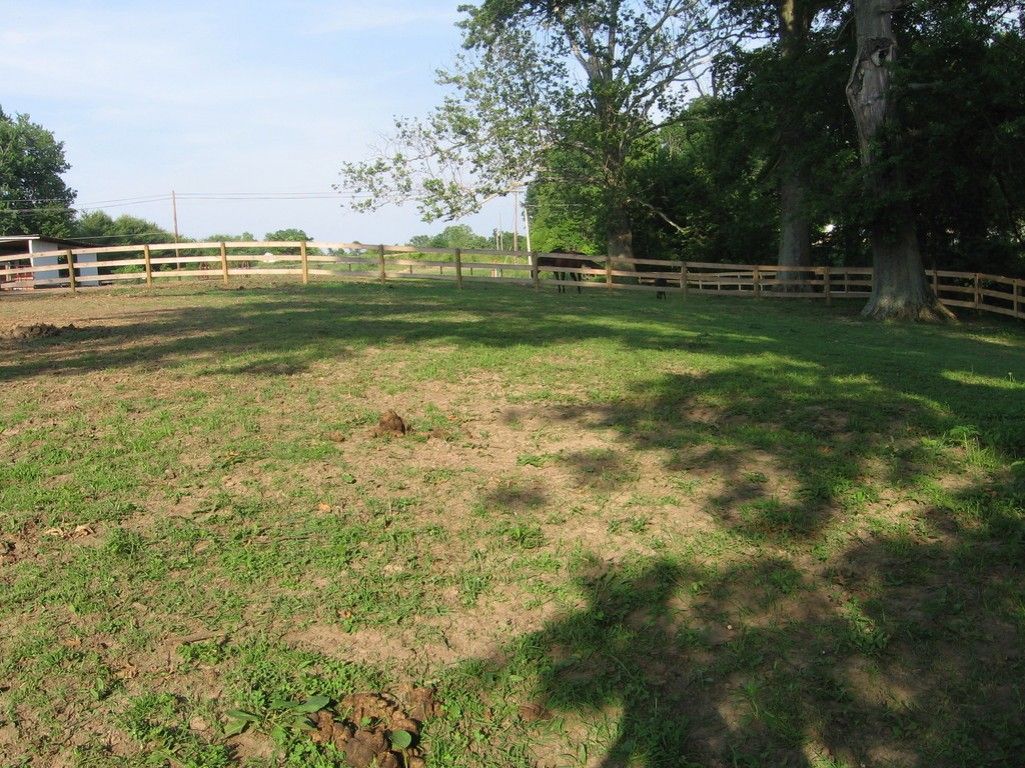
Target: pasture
(621, 532)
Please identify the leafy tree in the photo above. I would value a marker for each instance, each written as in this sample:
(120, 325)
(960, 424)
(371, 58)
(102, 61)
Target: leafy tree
(547, 83)
(963, 110)
(786, 76)
(33, 197)
(290, 235)
(99, 228)
(455, 236)
(566, 217)
(712, 181)
(782, 103)
(708, 186)
(245, 237)
(217, 237)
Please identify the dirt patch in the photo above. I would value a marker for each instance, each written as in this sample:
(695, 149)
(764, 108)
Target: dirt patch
(35, 331)
(424, 645)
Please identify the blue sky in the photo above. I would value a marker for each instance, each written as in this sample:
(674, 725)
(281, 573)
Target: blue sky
(229, 97)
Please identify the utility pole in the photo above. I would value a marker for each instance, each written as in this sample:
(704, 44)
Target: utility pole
(174, 216)
(516, 219)
(526, 225)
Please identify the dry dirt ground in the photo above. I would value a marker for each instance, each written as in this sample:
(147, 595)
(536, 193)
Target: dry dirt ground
(616, 532)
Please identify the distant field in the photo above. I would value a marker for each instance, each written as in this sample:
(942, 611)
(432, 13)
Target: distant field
(621, 532)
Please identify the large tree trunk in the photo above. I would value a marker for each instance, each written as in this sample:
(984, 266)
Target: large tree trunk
(794, 227)
(795, 17)
(619, 234)
(899, 287)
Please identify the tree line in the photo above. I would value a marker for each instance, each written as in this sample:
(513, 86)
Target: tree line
(805, 132)
(809, 132)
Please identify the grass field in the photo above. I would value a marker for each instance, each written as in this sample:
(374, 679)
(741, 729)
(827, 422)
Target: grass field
(622, 532)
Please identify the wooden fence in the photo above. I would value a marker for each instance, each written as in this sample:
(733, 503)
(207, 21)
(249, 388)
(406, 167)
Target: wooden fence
(304, 260)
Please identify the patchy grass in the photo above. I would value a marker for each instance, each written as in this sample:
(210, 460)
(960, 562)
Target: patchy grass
(621, 532)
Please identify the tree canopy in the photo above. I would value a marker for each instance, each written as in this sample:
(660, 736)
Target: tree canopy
(561, 93)
(716, 171)
(100, 228)
(454, 236)
(34, 199)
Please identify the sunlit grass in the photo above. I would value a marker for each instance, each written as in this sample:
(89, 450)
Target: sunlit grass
(688, 532)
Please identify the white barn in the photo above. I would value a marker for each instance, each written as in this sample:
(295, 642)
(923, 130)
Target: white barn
(41, 251)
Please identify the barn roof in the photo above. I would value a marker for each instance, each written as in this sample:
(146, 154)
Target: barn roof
(20, 243)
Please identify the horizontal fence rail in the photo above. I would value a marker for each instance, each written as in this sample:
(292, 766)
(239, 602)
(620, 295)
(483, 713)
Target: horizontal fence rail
(93, 266)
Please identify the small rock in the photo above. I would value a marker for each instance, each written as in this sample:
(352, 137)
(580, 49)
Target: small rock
(198, 724)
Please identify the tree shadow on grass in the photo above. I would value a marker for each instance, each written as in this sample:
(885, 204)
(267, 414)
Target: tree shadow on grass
(788, 640)
(866, 610)
(898, 651)
(297, 328)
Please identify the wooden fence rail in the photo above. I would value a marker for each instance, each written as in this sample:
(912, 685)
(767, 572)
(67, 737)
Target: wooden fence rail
(93, 266)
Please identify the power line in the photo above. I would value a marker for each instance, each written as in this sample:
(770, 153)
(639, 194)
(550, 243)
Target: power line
(139, 198)
(120, 237)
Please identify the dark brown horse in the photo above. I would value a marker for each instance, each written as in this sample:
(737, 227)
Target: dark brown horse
(662, 283)
(558, 265)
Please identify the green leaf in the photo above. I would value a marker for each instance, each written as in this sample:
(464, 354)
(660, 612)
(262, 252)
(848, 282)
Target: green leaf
(241, 714)
(313, 704)
(401, 739)
(235, 727)
(283, 704)
(278, 734)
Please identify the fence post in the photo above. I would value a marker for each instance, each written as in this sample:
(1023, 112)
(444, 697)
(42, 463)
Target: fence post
(757, 276)
(826, 284)
(936, 283)
(380, 262)
(978, 296)
(608, 272)
(459, 267)
(224, 263)
(305, 262)
(71, 269)
(535, 273)
(149, 266)
(683, 278)
(1016, 287)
